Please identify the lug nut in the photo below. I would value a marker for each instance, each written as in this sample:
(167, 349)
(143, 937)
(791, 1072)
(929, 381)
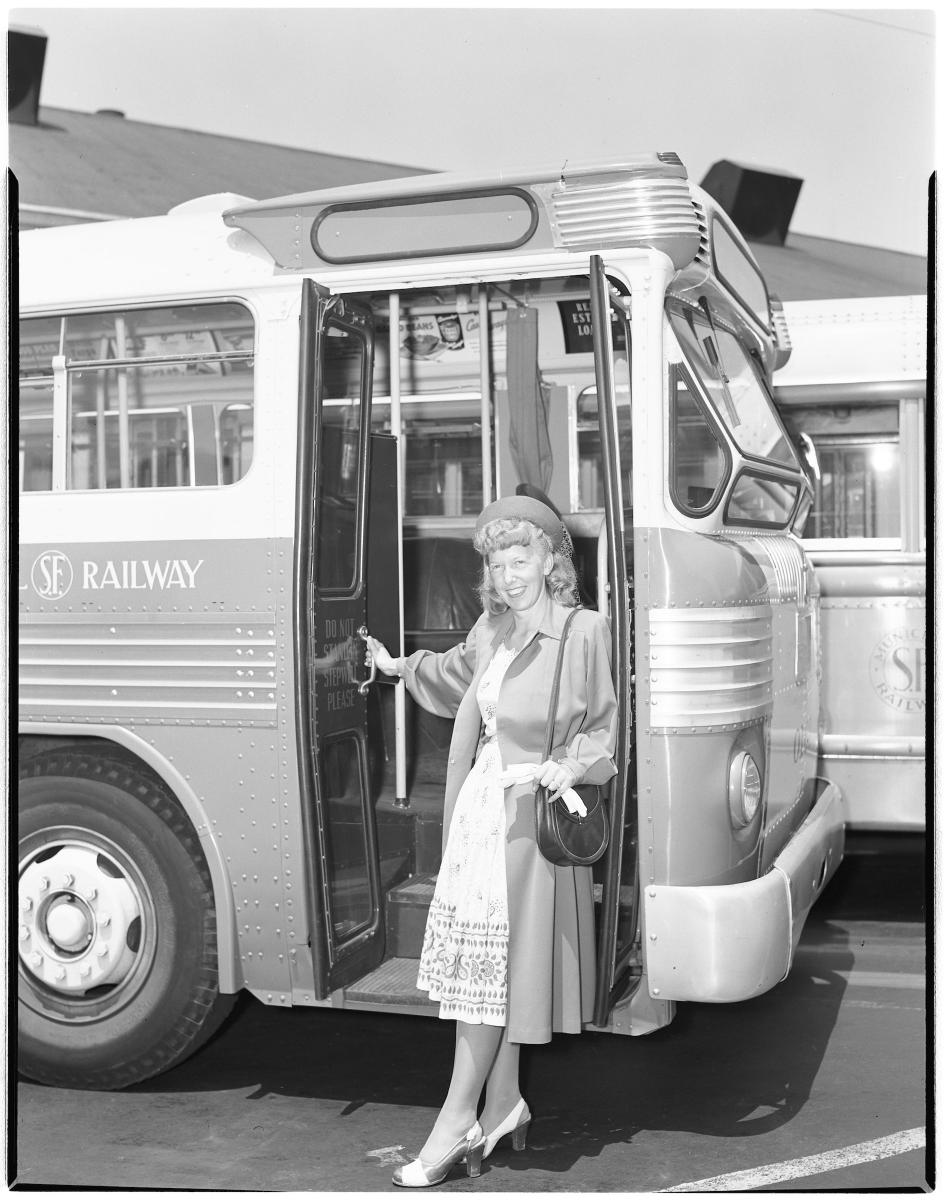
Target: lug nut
(102, 951)
(26, 903)
(60, 975)
(24, 933)
(43, 884)
(36, 959)
(68, 880)
(105, 921)
(92, 894)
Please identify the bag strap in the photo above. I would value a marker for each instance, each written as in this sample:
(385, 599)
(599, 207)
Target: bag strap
(555, 687)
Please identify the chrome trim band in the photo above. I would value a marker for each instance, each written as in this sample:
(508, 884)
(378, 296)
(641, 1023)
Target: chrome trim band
(709, 666)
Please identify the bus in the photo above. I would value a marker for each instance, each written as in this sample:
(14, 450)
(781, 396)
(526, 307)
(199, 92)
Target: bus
(854, 393)
(251, 432)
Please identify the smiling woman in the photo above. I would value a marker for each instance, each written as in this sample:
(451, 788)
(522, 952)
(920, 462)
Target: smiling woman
(517, 575)
(519, 564)
(509, 947)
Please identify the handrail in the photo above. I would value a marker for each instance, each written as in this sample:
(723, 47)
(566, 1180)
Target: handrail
(401, 799)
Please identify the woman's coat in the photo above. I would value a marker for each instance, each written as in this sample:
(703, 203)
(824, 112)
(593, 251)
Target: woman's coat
(551, 955)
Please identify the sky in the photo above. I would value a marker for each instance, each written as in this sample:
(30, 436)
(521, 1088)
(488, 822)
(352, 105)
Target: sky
(842, 98)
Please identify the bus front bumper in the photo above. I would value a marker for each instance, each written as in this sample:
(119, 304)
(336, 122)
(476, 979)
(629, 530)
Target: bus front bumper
(721, 943)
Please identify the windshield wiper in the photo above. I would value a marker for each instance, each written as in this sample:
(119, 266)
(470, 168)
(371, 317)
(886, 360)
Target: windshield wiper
(713, 350)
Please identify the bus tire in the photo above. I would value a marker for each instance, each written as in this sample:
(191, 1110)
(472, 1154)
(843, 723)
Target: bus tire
(117, 962)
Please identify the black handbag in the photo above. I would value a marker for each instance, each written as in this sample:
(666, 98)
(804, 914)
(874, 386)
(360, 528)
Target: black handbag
(565, 838)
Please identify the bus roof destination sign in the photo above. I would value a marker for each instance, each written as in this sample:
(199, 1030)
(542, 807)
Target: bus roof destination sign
(461, 224)
(456, 213)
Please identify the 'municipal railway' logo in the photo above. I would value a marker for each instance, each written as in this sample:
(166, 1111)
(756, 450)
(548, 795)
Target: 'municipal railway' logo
(898, 669)
(51, 575)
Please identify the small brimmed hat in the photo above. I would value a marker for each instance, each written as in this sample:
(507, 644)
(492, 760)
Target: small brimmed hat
(524, 508)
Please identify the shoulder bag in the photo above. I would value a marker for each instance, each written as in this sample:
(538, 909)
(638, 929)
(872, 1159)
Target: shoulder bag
(564, 838)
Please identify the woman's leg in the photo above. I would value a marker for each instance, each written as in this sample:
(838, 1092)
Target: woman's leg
(475, 1053)
(504, 1089)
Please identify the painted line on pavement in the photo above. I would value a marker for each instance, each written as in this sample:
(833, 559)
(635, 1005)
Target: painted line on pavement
(886, 979)
(813, 1164)
(911, 980)
(893, 980)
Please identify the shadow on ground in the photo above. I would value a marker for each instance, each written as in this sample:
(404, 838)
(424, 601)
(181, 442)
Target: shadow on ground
(725, 1071)
(717, 1070)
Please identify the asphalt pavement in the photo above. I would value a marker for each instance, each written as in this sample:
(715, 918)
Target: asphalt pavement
(819, 1084)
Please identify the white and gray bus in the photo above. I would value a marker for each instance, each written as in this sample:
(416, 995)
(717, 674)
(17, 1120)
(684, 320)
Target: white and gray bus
(251, 430)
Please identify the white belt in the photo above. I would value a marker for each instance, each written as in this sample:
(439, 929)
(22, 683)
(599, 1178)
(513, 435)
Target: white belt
(525, 773)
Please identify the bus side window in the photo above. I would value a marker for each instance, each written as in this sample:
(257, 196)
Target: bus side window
(158, 397)
(35, 451)
(441, 409)
(589, 468)
(39, 342)
(760, 500)
(699, 458)
(340, 464)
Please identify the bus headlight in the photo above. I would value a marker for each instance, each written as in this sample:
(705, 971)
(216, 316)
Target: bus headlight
(744, 790)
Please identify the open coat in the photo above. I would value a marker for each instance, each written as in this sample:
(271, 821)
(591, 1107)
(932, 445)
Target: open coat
(551, 946)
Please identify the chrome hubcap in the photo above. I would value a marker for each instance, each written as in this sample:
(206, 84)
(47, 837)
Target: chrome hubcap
(80, 918)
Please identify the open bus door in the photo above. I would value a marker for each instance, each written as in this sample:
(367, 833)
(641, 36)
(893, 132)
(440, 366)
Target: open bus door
(617, 928)
(331, 579)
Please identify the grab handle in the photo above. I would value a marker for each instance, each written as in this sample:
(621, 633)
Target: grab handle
(362, 687)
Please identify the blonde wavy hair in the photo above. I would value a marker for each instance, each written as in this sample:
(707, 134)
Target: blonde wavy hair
(506, 532)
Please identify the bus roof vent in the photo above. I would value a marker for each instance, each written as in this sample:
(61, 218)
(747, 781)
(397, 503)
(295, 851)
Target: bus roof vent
(703, 256)
(647, 211)
(217, 203)
(781, 332)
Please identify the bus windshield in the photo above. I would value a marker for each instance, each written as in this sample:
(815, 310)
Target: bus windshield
(731, 381)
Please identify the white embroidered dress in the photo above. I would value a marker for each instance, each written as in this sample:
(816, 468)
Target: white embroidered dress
(464, 962)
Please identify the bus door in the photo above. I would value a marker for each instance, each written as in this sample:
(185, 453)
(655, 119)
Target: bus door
(345, 909)
(617, 969)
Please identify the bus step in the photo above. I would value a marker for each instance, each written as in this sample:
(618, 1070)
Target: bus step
(428, 834)
(392, 984)
(407, 906)
(420, 821)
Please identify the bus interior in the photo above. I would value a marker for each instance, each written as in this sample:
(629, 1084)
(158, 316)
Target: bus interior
(532, 374)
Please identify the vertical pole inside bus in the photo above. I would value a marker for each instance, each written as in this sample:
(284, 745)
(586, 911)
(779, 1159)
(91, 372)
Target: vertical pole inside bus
(401, 799)
(485, 382)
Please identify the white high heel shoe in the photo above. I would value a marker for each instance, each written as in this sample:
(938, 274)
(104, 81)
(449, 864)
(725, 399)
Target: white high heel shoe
(516, 1123)
(417, 1174)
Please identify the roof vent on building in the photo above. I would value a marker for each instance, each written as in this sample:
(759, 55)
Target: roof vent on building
(760, 202)
(26, 53)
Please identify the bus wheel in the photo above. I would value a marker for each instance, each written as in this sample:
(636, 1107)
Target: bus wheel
(116, 928)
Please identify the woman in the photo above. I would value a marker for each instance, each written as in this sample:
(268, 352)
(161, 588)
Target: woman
(509, 947)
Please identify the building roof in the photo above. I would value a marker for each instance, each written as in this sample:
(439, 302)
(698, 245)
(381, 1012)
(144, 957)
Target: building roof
(75, 166)
(101, 164)
(813, 268)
